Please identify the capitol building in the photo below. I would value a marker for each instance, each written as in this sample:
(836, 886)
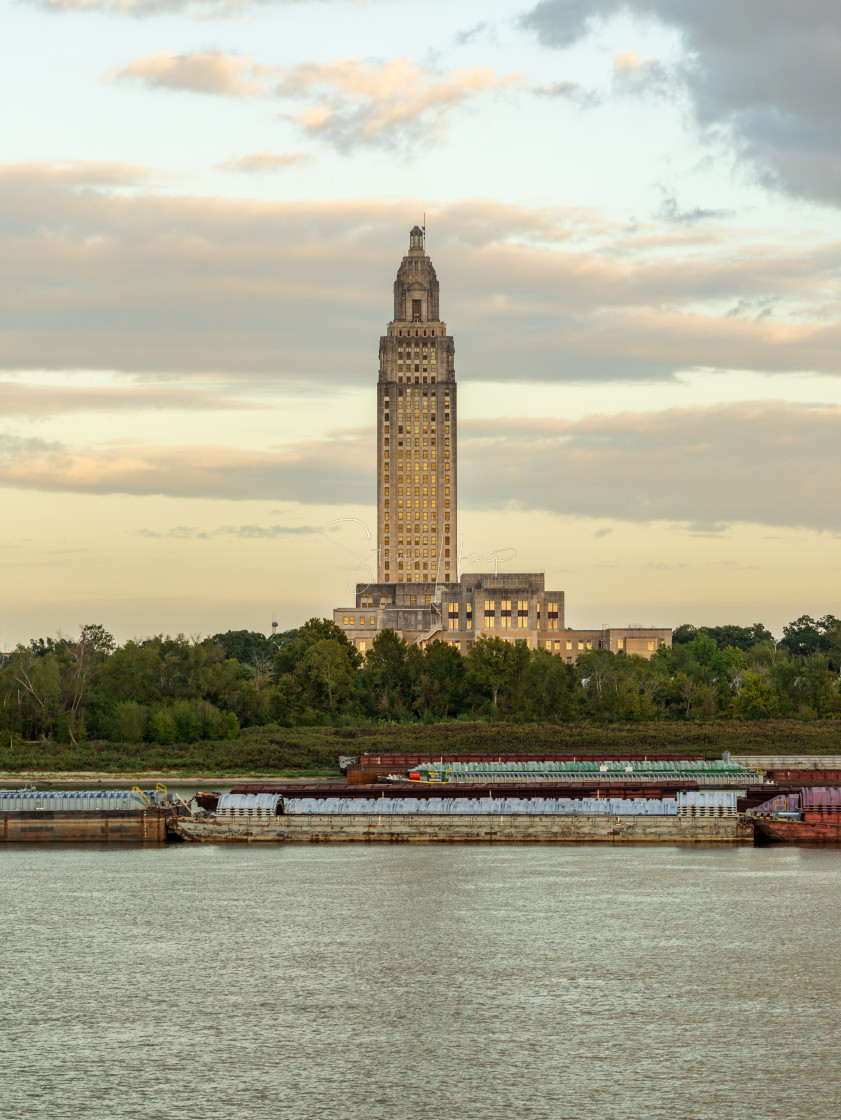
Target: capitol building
(420, 592)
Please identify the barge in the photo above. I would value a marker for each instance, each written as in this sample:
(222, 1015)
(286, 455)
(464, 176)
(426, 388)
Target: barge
(690, 817)
(106, 816)
(812, 816)
(460, 828)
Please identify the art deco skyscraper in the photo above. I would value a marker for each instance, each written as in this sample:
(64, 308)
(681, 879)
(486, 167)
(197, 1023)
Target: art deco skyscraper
(416, 432)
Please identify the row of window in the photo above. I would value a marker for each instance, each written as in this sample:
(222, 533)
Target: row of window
(421, 538)
(416, 455)
(368, 600)
(426, 503)
(418, 479)
(420, 515)
(418, 490)
(419, 565)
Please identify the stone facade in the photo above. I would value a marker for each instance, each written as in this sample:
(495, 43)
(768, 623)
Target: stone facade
(514, 606)
(417, 414)
(420, 592)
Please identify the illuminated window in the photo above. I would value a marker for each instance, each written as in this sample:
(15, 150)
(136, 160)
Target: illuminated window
(552, 615)
(651, 645)
(569, 644)
(620, 643)
(522, 613)
(505, 614)
(581, 645)
(361, 645)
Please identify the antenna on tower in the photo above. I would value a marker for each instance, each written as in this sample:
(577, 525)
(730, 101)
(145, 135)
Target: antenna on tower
(423, 227)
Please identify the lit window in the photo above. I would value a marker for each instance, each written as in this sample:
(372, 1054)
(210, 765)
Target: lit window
(581, 645)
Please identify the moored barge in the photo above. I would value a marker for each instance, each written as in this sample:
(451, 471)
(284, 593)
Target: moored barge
(812, 816)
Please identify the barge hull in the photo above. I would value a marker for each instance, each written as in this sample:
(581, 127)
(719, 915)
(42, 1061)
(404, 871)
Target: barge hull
(770, 831)
(465, 828)
(131, 826)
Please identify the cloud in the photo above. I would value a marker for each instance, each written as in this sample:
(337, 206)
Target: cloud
(247, 532)
(203, 9)
(328, 473)
(631, 74)
(768, 72)
(265, 160)
(350, 102)
(482, 32)
(119, 277)
(572, 92)
(670, 211)
(697, 469)
(40, 401)
(211, 72)
(701, 468)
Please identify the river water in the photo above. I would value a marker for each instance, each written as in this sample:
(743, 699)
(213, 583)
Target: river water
(420, 983)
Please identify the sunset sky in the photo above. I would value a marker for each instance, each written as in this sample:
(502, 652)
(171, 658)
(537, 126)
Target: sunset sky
(633, 210)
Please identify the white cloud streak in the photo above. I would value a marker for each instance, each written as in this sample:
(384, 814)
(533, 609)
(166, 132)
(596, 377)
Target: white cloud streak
(700, 468)
(102, 273)
(350, 102)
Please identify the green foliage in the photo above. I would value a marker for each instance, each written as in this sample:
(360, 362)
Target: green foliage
(84, 700)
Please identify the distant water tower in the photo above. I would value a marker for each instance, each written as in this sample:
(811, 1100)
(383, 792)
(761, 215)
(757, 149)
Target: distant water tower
(274, 626)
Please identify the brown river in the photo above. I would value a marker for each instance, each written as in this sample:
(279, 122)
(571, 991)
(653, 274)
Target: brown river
(420, 983)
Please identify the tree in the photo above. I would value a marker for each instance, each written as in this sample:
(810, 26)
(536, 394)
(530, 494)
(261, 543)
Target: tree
(489, 667)
(683, 634)
(756, 700)
(244, 645)
(442, 679)
(386, 677)
(313, 631)
(162, 729)
(549, 691)
(133, 672)
(807, 635)
(327, 669)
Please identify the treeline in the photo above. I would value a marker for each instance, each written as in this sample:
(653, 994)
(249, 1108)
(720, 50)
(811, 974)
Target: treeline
(167, 691)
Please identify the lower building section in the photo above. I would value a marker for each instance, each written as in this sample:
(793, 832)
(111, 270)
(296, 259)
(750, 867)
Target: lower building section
(514, 606)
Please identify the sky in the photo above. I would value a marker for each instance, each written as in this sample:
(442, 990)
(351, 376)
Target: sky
(634, 211)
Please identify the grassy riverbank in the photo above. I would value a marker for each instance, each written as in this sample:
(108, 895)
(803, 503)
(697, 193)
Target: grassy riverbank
(315, 751)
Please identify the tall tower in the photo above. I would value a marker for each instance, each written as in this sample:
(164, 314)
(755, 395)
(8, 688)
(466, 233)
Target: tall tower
(416, 432)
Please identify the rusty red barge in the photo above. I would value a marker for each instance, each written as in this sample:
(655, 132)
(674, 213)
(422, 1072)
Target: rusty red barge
(812, 816)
